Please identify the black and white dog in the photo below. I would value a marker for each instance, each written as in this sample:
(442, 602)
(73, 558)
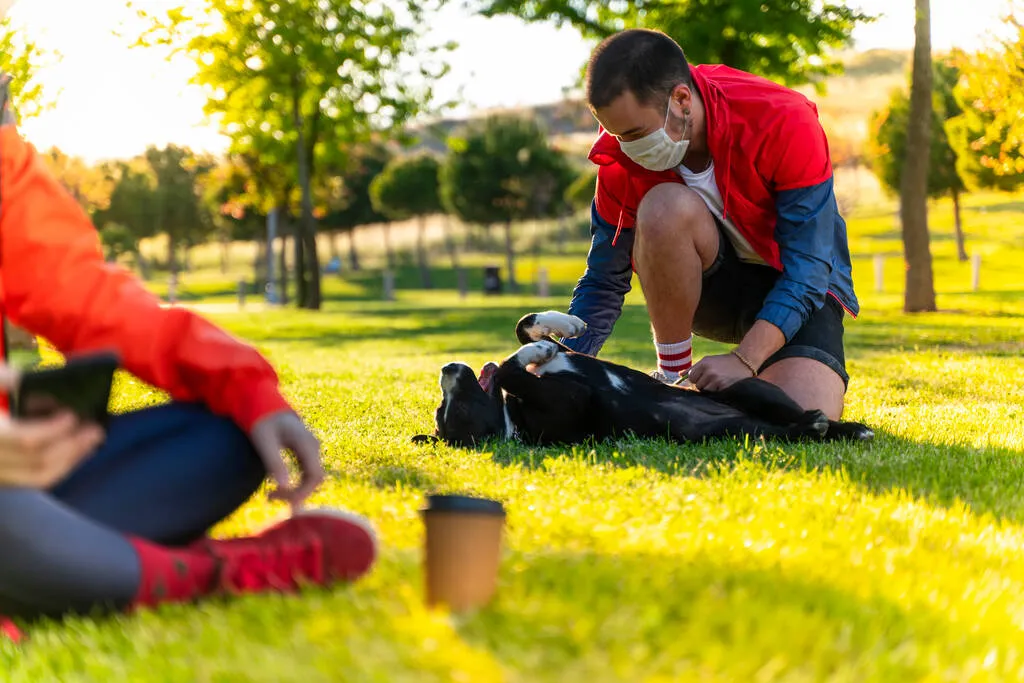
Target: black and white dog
(546, 394)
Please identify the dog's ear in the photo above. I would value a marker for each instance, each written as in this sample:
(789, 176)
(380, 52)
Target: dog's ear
(425, 438)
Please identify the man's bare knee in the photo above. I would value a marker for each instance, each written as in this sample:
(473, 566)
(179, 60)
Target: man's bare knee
(812, 384)
(670, 211)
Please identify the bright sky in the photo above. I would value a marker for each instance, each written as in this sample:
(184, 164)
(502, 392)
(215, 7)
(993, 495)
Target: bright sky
(113, 100)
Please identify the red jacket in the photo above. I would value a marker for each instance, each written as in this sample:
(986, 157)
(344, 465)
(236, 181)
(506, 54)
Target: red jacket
(54, 283)
(764, 138)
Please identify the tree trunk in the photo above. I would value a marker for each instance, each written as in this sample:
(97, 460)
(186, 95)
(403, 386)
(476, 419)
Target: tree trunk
(314, 297)
(510, 258)
(920, 285)
(335, 252)
(958, 227)
(282, 267)
(305, 242)
(563, 229)
(225, 255)
(142, 264)
(421, 253)
(259, 265)
(353, 255)
(298, 248)
(449, 239)
(388, 255)
(172, 254)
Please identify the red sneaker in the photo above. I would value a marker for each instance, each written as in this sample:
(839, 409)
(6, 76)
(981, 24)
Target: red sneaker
(317, 546)
(8, 631)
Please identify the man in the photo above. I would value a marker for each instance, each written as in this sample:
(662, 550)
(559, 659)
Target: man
(119, 520)
(715, 186)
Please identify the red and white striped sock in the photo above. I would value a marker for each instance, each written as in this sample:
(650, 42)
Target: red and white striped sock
(675, 359)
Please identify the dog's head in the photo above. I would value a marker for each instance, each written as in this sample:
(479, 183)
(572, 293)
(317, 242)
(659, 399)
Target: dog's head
(472, 407)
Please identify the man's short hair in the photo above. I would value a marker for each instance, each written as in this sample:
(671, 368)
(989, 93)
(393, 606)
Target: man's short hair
(647, 63)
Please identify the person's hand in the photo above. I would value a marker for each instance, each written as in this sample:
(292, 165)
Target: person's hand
(40, 452)
(716, 373)
(285, 430)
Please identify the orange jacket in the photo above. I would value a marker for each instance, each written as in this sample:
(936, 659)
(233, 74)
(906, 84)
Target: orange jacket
(54, 283)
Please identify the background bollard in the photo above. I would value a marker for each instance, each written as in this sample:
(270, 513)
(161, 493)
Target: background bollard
(976, 272)
(879, 273)
(543, 286)
(389, 286)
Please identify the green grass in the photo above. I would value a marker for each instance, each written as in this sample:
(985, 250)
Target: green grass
(639, 560)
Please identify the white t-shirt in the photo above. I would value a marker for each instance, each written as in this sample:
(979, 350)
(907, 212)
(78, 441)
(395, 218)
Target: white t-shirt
(704, 184)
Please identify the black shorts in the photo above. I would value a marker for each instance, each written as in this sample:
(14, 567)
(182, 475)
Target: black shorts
(733, 294)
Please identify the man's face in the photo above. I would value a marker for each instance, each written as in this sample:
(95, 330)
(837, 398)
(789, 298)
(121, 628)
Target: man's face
(628, 120)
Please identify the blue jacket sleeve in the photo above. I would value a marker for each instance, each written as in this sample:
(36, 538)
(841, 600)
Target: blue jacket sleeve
(599, 294)
(805, 233)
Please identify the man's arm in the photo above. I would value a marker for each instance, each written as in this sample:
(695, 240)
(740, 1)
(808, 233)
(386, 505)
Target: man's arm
(805, 233)
(56, 284)
(598, 296)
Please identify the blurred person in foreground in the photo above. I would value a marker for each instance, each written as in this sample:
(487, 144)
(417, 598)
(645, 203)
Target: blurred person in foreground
(120, 520)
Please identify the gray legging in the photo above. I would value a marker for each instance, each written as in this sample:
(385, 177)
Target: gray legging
(165, 474)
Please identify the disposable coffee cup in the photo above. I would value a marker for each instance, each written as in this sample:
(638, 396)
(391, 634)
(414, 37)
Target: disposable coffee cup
(463, 550)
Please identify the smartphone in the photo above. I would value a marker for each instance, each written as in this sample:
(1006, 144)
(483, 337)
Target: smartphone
(82, 385)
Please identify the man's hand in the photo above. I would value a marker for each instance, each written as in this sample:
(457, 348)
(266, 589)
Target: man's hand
(38, 453)
(715, 373)
(285, 430)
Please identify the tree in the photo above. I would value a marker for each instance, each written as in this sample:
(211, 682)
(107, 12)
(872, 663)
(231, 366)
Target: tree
(501, 170)
(993, 84)
(89, 185)
(888, 145)
(354, 207)
(130, 215)
(796, 42)
(19, 61)
(178, 208)
(920, 286)
(315, 76)
(580, 194)
(979, 132)
(408, 188)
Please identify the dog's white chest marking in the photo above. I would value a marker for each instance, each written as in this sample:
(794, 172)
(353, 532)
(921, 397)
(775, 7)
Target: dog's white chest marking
(616, 381)
(560, 363)
(557, 324)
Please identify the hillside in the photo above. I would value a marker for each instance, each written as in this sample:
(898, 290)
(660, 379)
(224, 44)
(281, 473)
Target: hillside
(845, 107)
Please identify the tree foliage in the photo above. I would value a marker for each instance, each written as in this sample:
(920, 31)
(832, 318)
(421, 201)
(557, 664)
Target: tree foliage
(501, 170)
(794, 42)
(407, 187)
(982, 132)
(991, 91)
(580, 193)
(19, 60)
(295, 83)
(887, 142)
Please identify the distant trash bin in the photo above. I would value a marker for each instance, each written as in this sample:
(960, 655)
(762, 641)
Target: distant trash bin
(492, 280)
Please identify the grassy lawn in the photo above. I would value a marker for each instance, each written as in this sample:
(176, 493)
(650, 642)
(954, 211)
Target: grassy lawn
(640, 560)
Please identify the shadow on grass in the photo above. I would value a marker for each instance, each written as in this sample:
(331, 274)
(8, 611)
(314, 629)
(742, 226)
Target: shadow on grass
(939, 474)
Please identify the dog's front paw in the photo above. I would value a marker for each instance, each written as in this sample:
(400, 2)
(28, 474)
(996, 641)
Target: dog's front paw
(555, 323)
(536, 353)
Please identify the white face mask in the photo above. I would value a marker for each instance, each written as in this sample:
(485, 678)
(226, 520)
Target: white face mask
(657, 151)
